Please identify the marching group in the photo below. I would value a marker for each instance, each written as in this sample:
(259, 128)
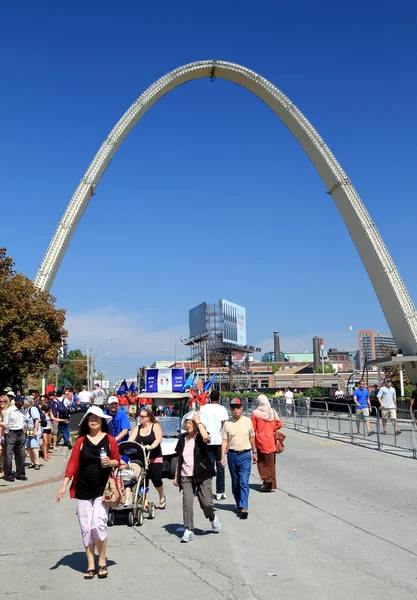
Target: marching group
(211, 441)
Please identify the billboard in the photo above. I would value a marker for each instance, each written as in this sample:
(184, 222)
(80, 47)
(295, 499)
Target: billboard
(197, 320)
(234, 323)
(164, 380)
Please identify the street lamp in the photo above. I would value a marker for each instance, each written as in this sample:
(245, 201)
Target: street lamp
(173, 353)
(90, 372)
(187, 340)
(94, 362)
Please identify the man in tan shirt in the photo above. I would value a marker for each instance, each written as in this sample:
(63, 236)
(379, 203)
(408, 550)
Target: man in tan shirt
(238, 443)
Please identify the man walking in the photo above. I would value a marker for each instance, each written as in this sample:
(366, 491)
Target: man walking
(119, 426)
(98, 397)
(84, 395)
(387, 397)
(238, 442)
(14, 420)
(363, 407)
(213, 416)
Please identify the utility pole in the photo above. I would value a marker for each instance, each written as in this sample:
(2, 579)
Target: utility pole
(88, 369)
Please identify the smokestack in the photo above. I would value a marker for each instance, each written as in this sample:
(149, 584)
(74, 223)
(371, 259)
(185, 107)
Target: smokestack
(277, 347)
(316, 352)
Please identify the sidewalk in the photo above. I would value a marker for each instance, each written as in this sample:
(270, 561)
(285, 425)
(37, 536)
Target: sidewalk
(50, 470)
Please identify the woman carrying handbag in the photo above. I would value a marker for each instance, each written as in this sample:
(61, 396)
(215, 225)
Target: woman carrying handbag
(266, 422)
(94, 454)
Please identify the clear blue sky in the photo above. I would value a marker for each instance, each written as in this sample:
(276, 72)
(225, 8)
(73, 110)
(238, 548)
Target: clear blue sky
(210, 196)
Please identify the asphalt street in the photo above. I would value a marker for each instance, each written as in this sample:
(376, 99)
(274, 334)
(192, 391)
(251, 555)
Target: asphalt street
(342, 524)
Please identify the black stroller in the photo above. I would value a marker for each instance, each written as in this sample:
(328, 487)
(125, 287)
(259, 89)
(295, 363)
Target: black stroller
(137, 509)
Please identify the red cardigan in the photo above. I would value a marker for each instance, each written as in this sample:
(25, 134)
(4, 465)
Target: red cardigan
(264, 434)
(74, 460)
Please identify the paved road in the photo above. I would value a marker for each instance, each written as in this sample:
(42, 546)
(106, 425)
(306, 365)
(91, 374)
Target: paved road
(342, 524)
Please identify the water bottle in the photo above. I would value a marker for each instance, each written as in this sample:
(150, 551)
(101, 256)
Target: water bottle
(103, 454)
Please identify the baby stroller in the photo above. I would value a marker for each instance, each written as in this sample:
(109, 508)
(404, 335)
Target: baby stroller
(135, 513)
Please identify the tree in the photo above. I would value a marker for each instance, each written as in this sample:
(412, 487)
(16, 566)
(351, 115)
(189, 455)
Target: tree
(315, 392)
(31, 328)
(73, 369)
(327, 369)
(394, 373)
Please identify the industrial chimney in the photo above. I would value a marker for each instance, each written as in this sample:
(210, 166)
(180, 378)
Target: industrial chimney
(277, 347)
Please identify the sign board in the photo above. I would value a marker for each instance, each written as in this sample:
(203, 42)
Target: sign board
(234, 323)
(197, 320)
(164, 380)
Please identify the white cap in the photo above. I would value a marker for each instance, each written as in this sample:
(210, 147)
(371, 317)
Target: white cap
(96, 410)
(113, 400)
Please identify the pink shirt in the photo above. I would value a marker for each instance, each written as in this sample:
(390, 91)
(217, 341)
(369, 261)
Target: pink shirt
(187, 469)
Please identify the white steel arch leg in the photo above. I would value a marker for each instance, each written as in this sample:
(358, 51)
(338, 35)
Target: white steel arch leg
(395, 301)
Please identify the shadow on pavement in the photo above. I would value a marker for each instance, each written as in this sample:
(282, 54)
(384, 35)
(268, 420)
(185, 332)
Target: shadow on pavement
(171, 528)
(227, 507)
(76, 561)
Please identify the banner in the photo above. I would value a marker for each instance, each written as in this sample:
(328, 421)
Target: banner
(164, 380)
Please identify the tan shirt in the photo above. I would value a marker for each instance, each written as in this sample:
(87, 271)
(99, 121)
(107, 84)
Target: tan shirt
(238, 433)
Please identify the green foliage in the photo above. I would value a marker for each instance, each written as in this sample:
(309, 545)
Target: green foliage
(73, 369)
(408, 390)
(31, 328)
(327, 369)
(316, 392)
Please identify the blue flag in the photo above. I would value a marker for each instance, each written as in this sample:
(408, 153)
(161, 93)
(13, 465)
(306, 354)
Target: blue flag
(207, 384)
(188, 383)
(123, 388)
(133, 387)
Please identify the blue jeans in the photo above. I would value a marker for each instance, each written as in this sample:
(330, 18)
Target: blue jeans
(239, 467)
(215, 455)
(64, 430)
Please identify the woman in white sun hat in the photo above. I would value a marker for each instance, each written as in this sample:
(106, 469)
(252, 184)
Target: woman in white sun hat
(88, 474)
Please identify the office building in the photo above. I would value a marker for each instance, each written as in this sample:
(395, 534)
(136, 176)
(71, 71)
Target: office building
(374, 344)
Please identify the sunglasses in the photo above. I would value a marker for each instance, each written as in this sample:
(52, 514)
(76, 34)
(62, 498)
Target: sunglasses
(143, 416)
(237, 407)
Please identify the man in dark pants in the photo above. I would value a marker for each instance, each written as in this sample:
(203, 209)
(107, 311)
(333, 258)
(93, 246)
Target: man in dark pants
(213, 416)
(15, 440)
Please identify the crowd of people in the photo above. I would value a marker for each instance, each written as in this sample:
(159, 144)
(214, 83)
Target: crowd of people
(210, 441)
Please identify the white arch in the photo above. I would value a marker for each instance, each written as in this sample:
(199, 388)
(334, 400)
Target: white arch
(395, 301)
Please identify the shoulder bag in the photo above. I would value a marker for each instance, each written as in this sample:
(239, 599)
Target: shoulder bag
(114, 492)
(279, 438)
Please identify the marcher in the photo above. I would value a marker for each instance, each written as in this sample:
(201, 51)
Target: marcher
(363, 407)
(387, 397)
(124, 403)
(84, 395)
(289, 401)
(265, 422)
(194, 474)
(119, 426)
(46, 431)
(89, 475)
(63, 405)
(98, 396)
(214, 416)
(4, 405)
(13, 426)
(238, 442)
(149, 434)
(33, 433)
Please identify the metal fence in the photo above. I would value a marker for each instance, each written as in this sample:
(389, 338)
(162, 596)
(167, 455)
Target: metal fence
(339, 420)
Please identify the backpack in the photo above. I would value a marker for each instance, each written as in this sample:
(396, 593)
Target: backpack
(63, 412)
(42, 419)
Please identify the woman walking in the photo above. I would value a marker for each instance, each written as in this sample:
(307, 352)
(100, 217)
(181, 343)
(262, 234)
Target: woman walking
(4, 403)
(265, 422)
(194, 473)
(149, 434)
(46, 431)
(88, 472)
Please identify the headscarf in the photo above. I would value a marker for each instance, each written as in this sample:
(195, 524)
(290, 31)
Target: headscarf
(265, 410)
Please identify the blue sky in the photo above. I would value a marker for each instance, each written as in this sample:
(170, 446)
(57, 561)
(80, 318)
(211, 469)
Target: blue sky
(210, 196)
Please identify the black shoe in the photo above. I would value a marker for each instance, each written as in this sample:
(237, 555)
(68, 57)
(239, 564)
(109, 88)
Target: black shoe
(22, 478)
(244, 513)
(69, 448)
(9, 478)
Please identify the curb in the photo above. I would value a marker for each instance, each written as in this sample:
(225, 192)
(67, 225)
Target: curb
(26, 486)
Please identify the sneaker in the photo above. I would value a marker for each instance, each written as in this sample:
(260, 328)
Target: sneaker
(371, 433)
(188, 536)
(128, 504)
(398, 432)
(223, 496)
(215, 525)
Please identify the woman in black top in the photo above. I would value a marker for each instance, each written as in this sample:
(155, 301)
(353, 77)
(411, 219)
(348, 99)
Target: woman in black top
(149, 434)
(194, 473)
(89, 473)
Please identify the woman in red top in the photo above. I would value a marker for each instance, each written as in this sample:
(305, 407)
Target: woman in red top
(88, 474)
(265, 422)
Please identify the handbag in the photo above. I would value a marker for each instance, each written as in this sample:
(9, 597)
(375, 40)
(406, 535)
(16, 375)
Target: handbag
(114, 492)
(279, 438)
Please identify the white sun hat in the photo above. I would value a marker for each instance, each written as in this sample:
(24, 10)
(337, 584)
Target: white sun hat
(96, 410)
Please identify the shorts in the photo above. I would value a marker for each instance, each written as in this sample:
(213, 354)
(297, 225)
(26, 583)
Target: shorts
(364, 412)
(389, 413)
(54, 428)
(47, 431)
(32, 442)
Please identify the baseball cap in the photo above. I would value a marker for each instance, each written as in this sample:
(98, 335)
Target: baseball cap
(19, 398)
(7, 389)
(113, 400)
(388, 379)
(96, 385)
(236, 402)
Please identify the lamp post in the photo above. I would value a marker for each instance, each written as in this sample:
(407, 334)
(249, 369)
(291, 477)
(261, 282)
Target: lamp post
(94, 362)
(186, 340)
(90, 371)
(173, 353)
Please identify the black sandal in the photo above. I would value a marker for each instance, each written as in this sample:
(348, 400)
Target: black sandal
(102, 572)
(90, 574)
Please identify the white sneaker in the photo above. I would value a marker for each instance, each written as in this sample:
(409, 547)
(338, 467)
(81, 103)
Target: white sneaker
(215, 525)
(188, 536)
(128, 504)
(224, 497)
(220, 496)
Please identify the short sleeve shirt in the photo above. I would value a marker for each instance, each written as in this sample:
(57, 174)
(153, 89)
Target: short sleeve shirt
(387, 395)
(362, 397)
(119, 422)
(238, 433)
(212, 416)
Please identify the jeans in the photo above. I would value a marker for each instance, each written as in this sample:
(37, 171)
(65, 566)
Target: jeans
(15, 444)
(239, 467)
(64, 430)
(215, 455)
